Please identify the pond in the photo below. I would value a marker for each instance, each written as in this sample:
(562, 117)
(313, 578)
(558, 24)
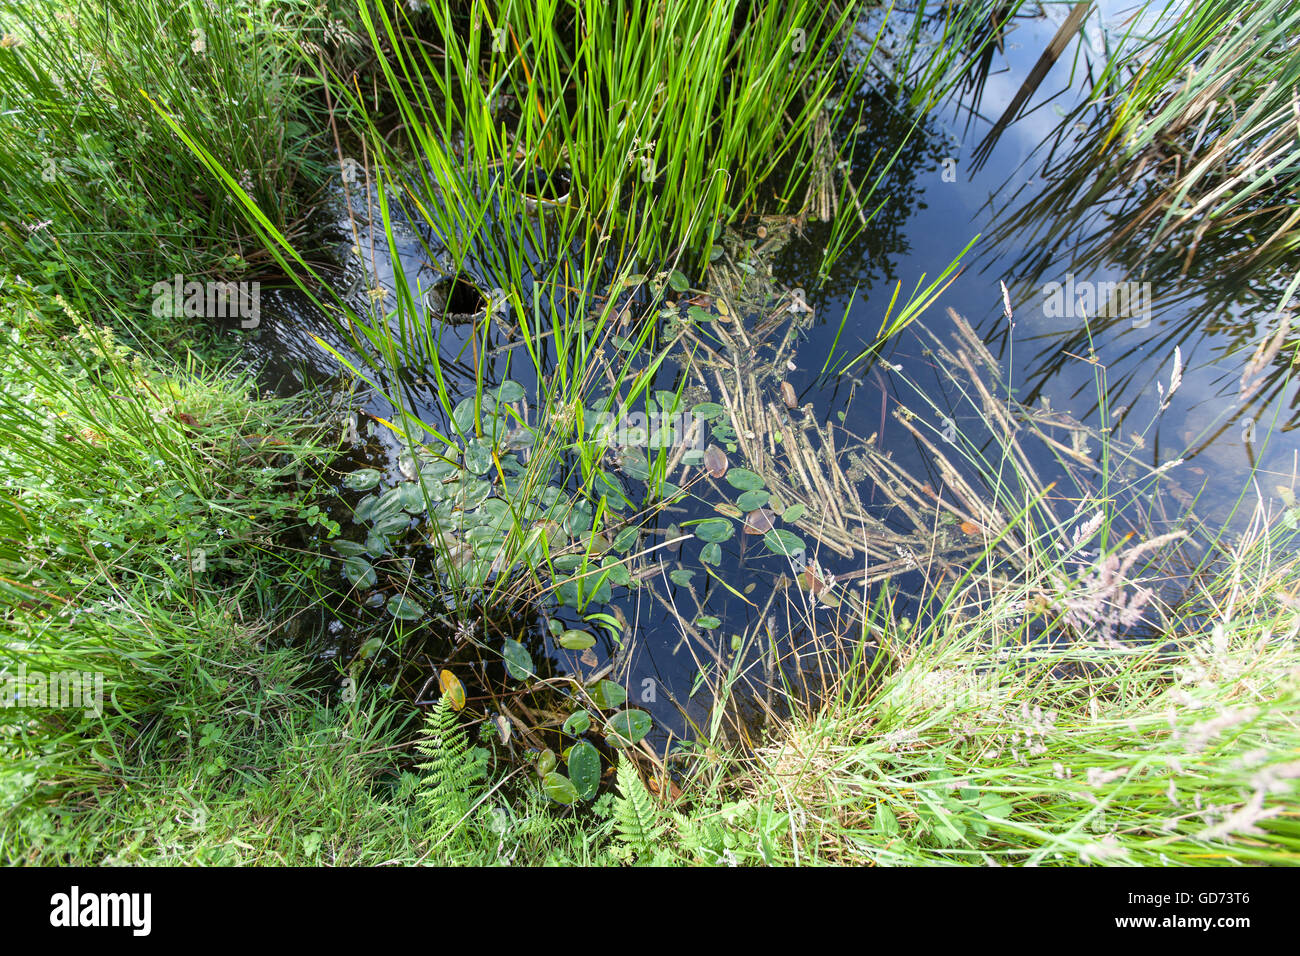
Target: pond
(1153, 361)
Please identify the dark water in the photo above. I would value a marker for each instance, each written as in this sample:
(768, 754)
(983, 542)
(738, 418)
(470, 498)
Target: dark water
(944, 189)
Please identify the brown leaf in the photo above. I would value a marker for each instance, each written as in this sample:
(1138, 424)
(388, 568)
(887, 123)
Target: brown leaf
(788, 396)
(715, 461)
(760, 521)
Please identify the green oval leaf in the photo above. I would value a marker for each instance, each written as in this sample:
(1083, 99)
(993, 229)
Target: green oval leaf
(743, 479)
(584, 769)
(714, 529)
(362, 480)
(575, 640)
(607, 695)
(784, 542)
(627, 727)
(560, 788)
(752, 500)
(404, 608)
(519, 663)
(579, 722)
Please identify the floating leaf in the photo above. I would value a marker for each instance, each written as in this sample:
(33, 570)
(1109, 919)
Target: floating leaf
(793, 513)
(362, 480)
(404, 609)
(452, 689)
(411, 497)
(509, 391)
(788, 396)
(678, 281)
(708, 410)
(707, 621)
(584, 769)
(560, 788)
(728, 509)
(519, 663)
(715, 461)
(627, 727)
(359, 572)
(578, 723)
(752, 500)
(464, 416)
(682, 577)
(575, 640)
(711, 553)
(760, 521)
(714, 529)
(607, 695)
(546, 762)
(784, 542)
(743, 479)
(478, 457)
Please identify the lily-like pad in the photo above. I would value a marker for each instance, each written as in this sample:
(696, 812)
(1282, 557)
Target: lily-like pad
(560, 788)
(784, 542)
(452, 689)
(519, 663)
(362, 480)
(714, 529)
(584, 769)
(627, 727)
(607, 695)
(743, 479)
(575, 640)
(404, 608)
(579, 722)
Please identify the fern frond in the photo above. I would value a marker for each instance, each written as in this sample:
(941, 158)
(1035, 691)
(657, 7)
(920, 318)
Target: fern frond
(636, 818)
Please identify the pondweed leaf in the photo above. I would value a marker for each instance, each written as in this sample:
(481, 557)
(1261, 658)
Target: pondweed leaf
(743, 479)
(760, 521)
(584, 769)
(560, 788)
(519, 663)
(607, 695)
(578, 723)
(404, 608)
(362, 480)
(714, 529)
(752, 500)
(575, 640)
(784, 542)
(627, 727)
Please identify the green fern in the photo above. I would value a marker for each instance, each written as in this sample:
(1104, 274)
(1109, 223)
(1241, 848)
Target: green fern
(451, 778)
(636, 818)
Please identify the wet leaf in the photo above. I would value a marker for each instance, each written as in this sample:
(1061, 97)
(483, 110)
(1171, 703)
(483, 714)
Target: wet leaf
(784, 542)
(682, 577)
(711, 553)
(743, 479)
(519, 663)
(578, 723)
(546, 762)
(708, 410)
(509, 391)
(404, 608)
(728, 509)
(715, 461)
(362, 480)
(575, 640)
(627, 727)
(584, 769)
(678, 281)
(793, 513)
(560, 788)
(359, 572)
(714, 529)
(752, 500)
(607, 695)
(453, 690)
(760, 521)
(707, 621)
(788, 396)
